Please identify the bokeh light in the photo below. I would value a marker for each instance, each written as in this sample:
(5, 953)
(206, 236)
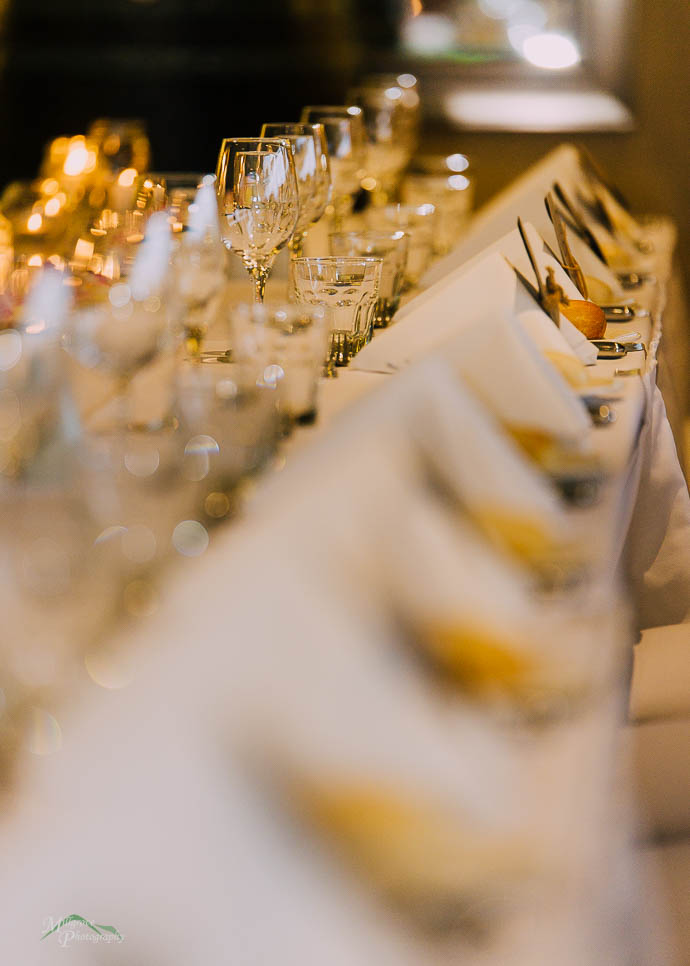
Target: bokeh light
(190, 538)
(551, 51)
(44, 735)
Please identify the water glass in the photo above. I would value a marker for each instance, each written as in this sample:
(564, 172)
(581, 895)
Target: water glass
(347, 288)
(417, 221)
(293, 340)
(451, 194)
(231, 415)
(392, 248)
(388, 148)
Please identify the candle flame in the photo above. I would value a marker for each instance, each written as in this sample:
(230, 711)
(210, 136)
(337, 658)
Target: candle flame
(126, 178)
(77, 159)
(52, 207)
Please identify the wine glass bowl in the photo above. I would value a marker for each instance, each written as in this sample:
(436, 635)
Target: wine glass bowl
(417, 221)
(344, 131)
(258, 201)
(388, 147)
(310, 153)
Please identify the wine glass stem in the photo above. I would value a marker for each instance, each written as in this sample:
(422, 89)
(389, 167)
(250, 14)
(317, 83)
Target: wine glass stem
(296, 244)
(260, 276)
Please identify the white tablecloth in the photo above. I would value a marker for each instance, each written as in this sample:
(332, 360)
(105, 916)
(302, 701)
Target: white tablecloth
(153, 815)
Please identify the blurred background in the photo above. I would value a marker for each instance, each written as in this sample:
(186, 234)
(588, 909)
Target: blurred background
(198, 71)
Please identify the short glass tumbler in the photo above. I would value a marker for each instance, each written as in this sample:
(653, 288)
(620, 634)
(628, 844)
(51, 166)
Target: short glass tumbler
(392, 248)
(293, 342)
(417, 221)
(347, 288)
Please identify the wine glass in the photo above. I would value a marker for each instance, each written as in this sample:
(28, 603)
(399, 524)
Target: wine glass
(388, 148)
(199, 263)
(310, 153)
(344, 132)
(180, 190)
(256, 186)
(119, 329)
(451, 194)
(417, 221)
(122, 142)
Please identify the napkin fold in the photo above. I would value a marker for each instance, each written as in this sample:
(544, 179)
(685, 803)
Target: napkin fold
(472, 322)
(202, 218)
(524, 197)
(152, 264)
(473, 458)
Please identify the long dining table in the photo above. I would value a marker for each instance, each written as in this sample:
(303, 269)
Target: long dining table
(162, 814)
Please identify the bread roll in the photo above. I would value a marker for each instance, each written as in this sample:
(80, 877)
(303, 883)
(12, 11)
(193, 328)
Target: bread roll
(585, 316)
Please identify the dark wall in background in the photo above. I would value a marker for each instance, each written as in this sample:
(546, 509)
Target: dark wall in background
(195, 70)
(200, 70)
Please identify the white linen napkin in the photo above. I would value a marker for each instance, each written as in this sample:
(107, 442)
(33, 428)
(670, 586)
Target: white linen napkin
(203, 213)
(595, 269)
(477, 461)
(501, 366)
(494, 355)
(524, 196)
(152, 263)
(512, 248)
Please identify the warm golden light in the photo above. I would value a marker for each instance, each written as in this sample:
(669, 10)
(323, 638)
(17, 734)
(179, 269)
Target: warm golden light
(77, 159)
(35, 222)
(52, 207)
(83, 250)
(551, 51)
(457, 162)
(111, 268)
(126, 178)
(416, 7)
(50, 186)
(111, 145)
(35, 261)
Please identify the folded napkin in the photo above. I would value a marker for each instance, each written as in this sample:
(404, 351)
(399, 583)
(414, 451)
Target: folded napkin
(513, 249)
(472, 322)
(473, 458)
(501, 366)
(203, 213)
(524, 196)
(603, 286)
(661, 674)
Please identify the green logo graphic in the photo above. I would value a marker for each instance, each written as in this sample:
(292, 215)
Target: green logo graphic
(65, 937)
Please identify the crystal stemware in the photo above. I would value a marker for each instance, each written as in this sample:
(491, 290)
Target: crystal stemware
(344, 132)
(294, 340)
(388, 148)
(258, 201)
(417, 221)
(310, 153)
